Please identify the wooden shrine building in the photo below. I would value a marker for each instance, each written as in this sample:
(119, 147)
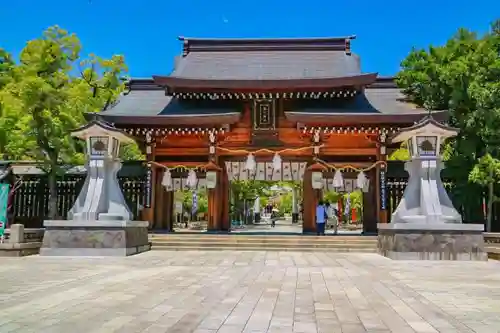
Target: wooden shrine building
(304, 100)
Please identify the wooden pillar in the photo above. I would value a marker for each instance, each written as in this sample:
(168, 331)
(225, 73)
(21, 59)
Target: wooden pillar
(214, 195)
(225, 221)
(168, 210)
(163, 207)
(158, 194)
(308, 205)
(213, 218)
(370, 217)
(310, 199)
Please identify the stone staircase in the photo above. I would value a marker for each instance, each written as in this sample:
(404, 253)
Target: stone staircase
(270, 242)
(492, 244)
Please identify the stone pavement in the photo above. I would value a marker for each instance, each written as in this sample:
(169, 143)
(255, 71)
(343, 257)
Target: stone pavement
(231, 292)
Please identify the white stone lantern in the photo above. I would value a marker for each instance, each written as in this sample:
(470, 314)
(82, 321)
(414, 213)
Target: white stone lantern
(424, 141)
(425, 225)
(100, 223)
(425, 199)
(101, 197)
(101, 140)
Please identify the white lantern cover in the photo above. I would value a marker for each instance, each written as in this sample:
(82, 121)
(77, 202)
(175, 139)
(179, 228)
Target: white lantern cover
(102, 139)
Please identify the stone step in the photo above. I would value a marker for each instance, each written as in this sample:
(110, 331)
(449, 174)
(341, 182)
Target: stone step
(493, 252)
(274, 249)
(265, 241)
(259, 238)
(235, 242)
(273, 245)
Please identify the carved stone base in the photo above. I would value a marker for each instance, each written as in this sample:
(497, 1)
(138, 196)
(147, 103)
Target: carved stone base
(95, 238)
(403, 241)
(19, 249)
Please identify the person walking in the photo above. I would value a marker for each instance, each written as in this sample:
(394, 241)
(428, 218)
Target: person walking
(274, 217)
(330, 221)
(320, 218)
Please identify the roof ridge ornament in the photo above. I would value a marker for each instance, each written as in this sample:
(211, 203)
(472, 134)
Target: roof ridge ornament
(265, 44)
(347, 46)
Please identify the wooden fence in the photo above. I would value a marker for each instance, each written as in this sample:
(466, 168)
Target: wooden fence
(30, 205)
(396, 186)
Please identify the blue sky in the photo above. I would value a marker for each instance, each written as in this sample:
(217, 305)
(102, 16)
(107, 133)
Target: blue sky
(146, 31)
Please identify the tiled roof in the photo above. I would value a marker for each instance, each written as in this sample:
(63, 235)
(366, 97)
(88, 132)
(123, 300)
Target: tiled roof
(145, 100)
(152, 107)
(143, 103)
(267, 65)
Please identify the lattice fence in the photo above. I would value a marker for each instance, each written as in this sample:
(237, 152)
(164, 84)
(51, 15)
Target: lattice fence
(30, 205)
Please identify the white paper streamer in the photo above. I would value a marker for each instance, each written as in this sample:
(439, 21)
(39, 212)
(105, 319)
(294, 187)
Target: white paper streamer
(250, 164)
(167, 180)
(277, 162)
(338, 180)
(191, 181)
(361, 180)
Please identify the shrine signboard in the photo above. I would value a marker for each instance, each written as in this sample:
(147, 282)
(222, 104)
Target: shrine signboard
(4, 198)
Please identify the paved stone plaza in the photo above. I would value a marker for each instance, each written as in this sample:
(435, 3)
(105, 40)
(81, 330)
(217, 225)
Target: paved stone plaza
(230, 292)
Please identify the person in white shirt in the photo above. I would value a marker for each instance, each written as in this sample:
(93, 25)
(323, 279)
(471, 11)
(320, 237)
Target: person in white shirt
(332, 217)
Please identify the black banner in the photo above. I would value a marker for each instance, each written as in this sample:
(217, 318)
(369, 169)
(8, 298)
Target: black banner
(148, 188)
(383, 190)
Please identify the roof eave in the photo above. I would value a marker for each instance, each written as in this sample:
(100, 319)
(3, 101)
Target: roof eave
(180, 83)
(357, 118)
(175, 120)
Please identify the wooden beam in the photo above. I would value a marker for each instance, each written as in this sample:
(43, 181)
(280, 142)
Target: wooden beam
(175, 164)
(243, 152)
(348, 151)
(176, 151)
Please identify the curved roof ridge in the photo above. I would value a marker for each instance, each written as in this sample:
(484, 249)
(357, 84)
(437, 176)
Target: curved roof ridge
(265, 39)
(265, 44)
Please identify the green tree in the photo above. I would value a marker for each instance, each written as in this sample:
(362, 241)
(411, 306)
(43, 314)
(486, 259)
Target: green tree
(186, 197)
(7, 115)
(244, 191)
(50, 101)
(400, 154)
(486, 173)
(462, 77)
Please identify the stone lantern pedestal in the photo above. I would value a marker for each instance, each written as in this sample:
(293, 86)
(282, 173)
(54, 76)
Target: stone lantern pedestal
(99, 224)
(425, 225)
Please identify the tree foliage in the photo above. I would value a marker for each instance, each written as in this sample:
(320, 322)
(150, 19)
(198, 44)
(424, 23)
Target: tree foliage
(400, 154)
(6, 72)
(46, 94)
(461, 76)
(249, 189)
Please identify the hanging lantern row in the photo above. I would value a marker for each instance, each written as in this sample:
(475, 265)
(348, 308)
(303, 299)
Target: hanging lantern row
(338, 180)
(251, 164)
(191, 181)
(362, 182)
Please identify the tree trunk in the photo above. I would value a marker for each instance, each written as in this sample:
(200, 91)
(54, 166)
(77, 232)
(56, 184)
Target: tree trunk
(52, 194)
(490, 203)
